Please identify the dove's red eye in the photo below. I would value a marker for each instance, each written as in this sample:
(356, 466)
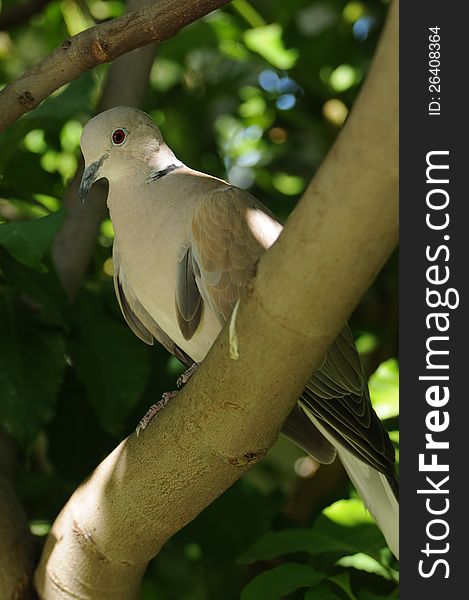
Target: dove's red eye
(118, 137)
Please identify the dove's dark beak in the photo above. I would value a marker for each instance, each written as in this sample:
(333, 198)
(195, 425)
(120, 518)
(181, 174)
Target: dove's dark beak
(90, 175)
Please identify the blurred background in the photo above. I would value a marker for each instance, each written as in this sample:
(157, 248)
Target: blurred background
(255, 93)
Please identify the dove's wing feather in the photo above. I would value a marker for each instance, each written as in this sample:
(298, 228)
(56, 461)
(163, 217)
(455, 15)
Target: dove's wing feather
(138, 319)
(338, 395)
(227, 241)
(305, 434)
(189, 303)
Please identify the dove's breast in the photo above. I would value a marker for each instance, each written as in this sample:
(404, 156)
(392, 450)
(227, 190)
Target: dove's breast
(152, 237)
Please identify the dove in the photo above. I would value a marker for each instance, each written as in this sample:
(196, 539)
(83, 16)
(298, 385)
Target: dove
(186, 243)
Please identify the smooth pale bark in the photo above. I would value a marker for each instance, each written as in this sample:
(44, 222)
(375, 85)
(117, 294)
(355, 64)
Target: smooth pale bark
(103, 43)
(230, 413)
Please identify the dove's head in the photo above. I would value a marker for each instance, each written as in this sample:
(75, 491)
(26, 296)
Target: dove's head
(119, 143)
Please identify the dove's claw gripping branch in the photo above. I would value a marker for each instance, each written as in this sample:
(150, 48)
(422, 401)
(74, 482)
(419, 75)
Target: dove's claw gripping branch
(184, 378)
(165, 398)
(154, 409)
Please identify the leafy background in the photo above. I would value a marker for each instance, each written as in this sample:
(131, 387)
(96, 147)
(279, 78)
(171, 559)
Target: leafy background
(255, 93)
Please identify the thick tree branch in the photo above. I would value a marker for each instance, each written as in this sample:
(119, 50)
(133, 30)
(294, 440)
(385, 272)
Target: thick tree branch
(126, 83)
(16, 555)
(231, 411)
(100, 44)
(16, 544)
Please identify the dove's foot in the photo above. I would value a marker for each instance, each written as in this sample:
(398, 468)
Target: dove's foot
(165, 398)
(154, 409)
(184, 378)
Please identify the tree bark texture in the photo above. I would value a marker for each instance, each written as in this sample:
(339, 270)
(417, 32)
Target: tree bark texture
(17, 551)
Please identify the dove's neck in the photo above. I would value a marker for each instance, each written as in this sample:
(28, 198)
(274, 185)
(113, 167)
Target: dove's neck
(162, 162)
(132, 197)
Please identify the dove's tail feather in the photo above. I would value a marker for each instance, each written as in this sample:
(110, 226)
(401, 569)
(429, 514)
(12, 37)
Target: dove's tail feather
(378, 491)
(379, 495)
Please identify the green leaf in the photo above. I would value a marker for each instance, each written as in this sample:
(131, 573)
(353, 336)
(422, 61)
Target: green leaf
(364, 562)
(334, 539)
(350, 511)
(342, 580)
(351, 539)
(43, 288)
(267, 41)
(283, 580)
(31, 368)
(366, 595)
(24, 177)
(28, 241)
(278, 543)
(111, 362)
(324, 591)
(384, 389)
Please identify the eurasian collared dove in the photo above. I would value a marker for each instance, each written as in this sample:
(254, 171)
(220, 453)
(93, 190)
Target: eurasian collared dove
(185, 244)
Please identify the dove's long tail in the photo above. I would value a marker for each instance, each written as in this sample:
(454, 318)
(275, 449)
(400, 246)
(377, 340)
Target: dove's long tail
(377, 494)
(375, 489)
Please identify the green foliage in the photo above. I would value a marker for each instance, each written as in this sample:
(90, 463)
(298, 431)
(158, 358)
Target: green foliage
(346, 539)
(254, 93)
(110, 362)
(29, 241)
(324, 539)
(280, 581)
(267, 41)
(32, 364)
(324, 591)
(43, 288)
(366, 595)
(384, 389)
